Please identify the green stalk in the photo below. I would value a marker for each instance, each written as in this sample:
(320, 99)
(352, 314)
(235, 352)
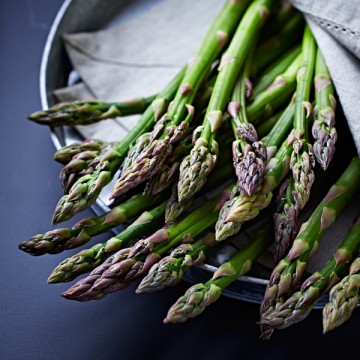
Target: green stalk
(299, 305)
(289, 270)
(173, 125)
(276, 95)
(264, 80)
(302, 159)
(272, 48)
(214, 42)
(87, 189)
(323, 130)
(195, 168)
(89, 111)
(198, 296)
(283, 11)
(58, 240)
(265, 127)
(88, 259)
(304, 81)
(281, 128)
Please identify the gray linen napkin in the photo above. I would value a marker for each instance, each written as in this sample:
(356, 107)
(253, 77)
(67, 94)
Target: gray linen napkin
(134, 57)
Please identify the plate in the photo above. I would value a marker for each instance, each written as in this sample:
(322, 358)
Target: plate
(84, 16)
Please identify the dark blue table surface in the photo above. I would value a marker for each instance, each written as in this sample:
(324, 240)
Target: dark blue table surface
(35, 322)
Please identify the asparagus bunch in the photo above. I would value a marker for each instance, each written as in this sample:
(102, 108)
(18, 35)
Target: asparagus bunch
(344, 297)
(298, 306)
(198, 296)
(89, 111)
(323, 129)
(163, 150)
(288, 272)
(131, 263)
(173, 125)
(88, 259)
(195, 168)
(58, 240)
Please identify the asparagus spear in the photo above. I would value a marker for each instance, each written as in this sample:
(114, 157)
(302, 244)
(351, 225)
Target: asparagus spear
(323, 129)
(88, 259)
(298, 306)
(289, 270)
(344, 297)
(170, 269)
(285, 219)
(241, 207)
(86, 190)
(175, 207)
(198, 296)
(302, 159)
(58, 240)
(129, 264)
(67, 153)
(195, 167)
(173, 125)
(81, 164)
(89, 111)
(249, 154)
